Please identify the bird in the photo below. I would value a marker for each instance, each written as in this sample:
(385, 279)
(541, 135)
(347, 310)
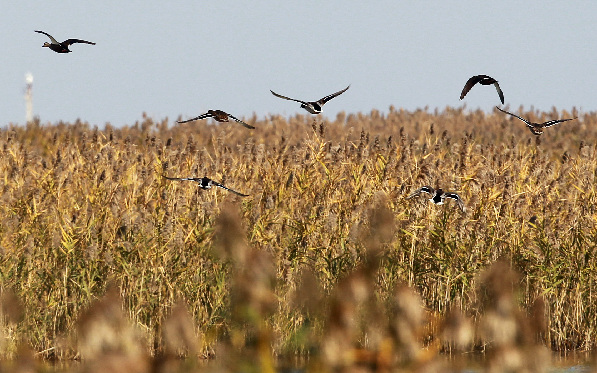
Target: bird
(537, 128)
(313, 107)
(483, 80)
(219, 115)
(438, 196)
(206, 183)
(61, 47)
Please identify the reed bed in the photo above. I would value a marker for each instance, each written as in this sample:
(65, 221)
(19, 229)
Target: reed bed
(104, 260)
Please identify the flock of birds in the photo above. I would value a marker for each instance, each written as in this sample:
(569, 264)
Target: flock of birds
(438, 196)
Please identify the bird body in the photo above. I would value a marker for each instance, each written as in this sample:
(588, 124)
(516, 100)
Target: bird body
(218, 115)
(313, 107)
(536, 128)
(206, 183)
(483, 80)
(438, 196)
(63, 46)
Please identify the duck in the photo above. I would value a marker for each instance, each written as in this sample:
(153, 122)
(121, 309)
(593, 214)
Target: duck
(483, 80)
(61, 47)
(537, 128)
(313, 107)
(206, 183)
(218, 115)
(438, 196)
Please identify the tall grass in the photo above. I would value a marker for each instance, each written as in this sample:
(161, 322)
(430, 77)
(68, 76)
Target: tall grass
(323, 250)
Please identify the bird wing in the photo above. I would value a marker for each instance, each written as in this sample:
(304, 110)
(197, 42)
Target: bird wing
(470, 83)
(241, 122)
(458, 200)
(286, 98)
(425, 189)
(182, 178)
(499, 91)
(554, 122)
(54, 41)
(68, 42)
(514, 115)
(228, 189)
(329, 97)
(202, 116)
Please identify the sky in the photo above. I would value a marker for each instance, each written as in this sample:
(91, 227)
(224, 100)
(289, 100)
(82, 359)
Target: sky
(172, 59)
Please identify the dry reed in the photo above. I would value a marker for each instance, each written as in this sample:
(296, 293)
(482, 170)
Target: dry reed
(325, 259)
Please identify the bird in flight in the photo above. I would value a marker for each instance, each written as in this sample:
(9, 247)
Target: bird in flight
(438, 196)
(537, 128)
(220, 116)
(313, 107)
(483, 80)
(61, 47)
(206, 183)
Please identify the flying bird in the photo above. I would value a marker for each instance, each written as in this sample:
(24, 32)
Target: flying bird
(438, 196)
(206, 183)
(61, 47)
(313, 107)
(537, 128)
(483, 80)
(220, 116)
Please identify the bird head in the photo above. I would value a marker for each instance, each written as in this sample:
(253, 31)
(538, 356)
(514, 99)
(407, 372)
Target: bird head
(46, 44)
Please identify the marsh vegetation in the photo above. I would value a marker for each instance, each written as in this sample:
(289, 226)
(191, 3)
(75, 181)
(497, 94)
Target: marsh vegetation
(102, 259)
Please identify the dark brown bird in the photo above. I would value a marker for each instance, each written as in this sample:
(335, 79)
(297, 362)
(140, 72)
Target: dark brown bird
(313, 107)
(220, 116)
(61, 47)
(483, 80)
(537, 128)
(206, 183)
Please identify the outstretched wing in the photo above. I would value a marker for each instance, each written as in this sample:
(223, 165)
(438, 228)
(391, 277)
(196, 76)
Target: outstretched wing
(470, 84)
(499, 91)
(423, 189)
(241, 122)
(458, 200)
(68, 42)
(286, 98)
(202, 116)
(54, 41)
(329, 97)
(182, 178)
(228, 189)
(554, 122)
(514, 115)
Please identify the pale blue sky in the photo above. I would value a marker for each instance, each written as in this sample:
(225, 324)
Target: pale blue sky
(185, 57)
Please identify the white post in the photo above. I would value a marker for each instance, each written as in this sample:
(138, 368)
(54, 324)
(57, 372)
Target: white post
(29, 97)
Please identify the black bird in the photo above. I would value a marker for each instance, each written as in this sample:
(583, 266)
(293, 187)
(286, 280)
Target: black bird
(313, 107)
(537, 128)
(220, 116)
(438, 196)
(61, 47)
(206, 183)
(483, 80)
